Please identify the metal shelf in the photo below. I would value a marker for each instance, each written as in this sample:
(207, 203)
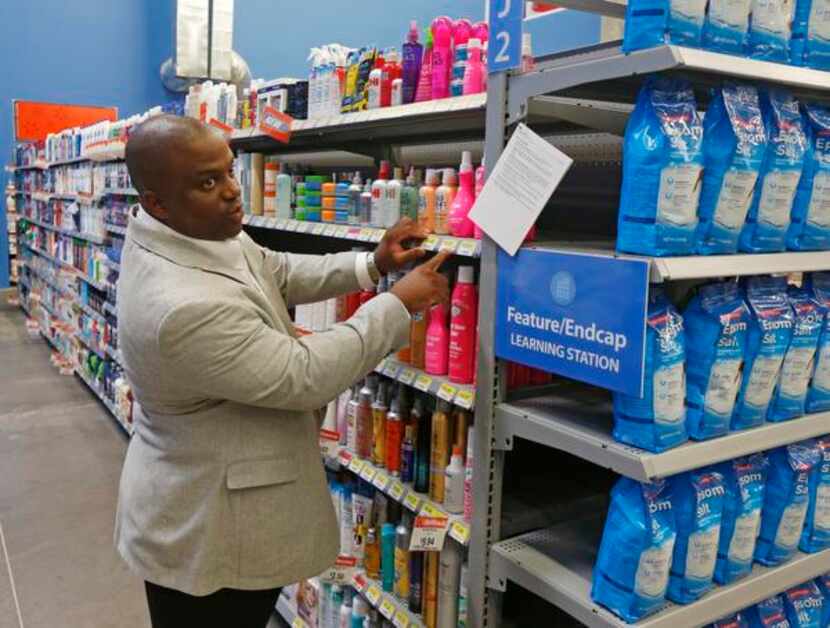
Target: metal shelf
(89, 237)
(109, 405)
(109, 308)
(101, 353)
(581, 425)
(90, 312)
(287, 611)
(98, 285)
(467, 247)
(116, 229)
(605, 73)
(703, 266)
(556, 564)
(440, 386)
(389, 606)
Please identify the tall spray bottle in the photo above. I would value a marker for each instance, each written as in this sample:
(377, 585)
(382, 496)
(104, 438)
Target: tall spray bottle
(413, 53)
(437, 344)
(464, 309)
(444, 196)
(462, 31)
(481, 31)
(441, 57)
(460, 224)
(424, 90)
(474, 69)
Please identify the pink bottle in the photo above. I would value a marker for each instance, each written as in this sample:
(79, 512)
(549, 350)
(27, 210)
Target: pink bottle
(441, 57)
(463, 327)
(460, 225)
(462, 31)
(481, 31)
(438, 341)
(473, 75)
(424, 90)
(480, 178)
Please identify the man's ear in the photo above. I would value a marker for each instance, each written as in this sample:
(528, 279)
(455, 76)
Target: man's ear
(151, 202)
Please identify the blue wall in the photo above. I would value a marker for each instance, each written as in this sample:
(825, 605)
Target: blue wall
(80, 51)
(276, 42)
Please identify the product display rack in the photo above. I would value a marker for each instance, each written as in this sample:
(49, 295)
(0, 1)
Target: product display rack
(556, 563)
(286, 609)
(389, 606)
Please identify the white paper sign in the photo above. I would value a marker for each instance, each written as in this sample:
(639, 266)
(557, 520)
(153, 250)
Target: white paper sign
(525, 176)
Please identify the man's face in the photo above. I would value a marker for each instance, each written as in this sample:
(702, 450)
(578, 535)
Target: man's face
(201, 197)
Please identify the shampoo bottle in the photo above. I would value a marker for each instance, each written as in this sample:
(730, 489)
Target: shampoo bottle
(444, 196)
(360, 610)
(440, 452)
(437, 341)
(412, 55)
(394, 436)
(418, 340)
(366, 204)
(402, 533)
(409, 196)
(283, 193)
(355, 190)
(454, 483)
(441, 57)
(379, 195)
(392, 206)
(351, 419)
(387, 556)
(430, 604)
(416, 580)
(424, 89)
(460, 225)
(449, 581)
(364, 422)
(462, 30)
(346, 609)
(423, 442)
(427, 200)
(463, 328)
(371, 559)
(473, 76)
(379, 413)
(407, 456)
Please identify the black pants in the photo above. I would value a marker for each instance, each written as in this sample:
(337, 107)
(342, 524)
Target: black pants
(227, 608)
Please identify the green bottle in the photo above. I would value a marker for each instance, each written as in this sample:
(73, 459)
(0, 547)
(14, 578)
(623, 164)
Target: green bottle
(409, 196)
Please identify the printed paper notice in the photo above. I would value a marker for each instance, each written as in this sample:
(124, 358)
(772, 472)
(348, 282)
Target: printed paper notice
(523, 180)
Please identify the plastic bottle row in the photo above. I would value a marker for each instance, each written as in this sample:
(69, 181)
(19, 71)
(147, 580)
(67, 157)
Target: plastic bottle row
(787, 32)
(741, 354)
(442, 341)
(440, 201)
(426, 583)
(673, 538)
(753, 175)
(804, 606)
(89, 259)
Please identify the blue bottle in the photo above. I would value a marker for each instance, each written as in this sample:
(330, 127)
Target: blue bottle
(387, 556)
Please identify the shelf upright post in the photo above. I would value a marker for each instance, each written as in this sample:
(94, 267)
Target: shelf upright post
(488, 462)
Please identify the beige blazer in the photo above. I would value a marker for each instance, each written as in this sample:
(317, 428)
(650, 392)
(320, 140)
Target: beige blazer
(223, 484)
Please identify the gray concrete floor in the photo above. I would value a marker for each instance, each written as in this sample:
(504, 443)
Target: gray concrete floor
(60, 460)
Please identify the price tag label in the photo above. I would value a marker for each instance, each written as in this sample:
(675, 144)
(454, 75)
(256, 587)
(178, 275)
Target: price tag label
(329, 443)
(460, 531)
(318, 229)
(431, 243)
(400, 620)
(280, 224)
(373, 594)
(353, 233)
(377, 236)
(384, 364)
(465, 399)
(341, 232)
(429, 534)
(368, 472)
(382, 481)
(303, 227)
(432, 511)
(387, 608)
(468, 248)
(406, 376)
(365, 235)
(448, 244)
(447, 392)
(397, 491)
(291, 225)
(298, 623)
(356, 465)
(359, 581)
(329, 230)
(345, 457)
(412, 502)
(341, 572)
(423, 382)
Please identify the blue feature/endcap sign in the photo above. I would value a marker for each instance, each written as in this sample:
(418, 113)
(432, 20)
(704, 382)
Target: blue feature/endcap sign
(504, 52)
(578, 315)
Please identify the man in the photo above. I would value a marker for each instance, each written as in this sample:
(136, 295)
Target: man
(223, 497)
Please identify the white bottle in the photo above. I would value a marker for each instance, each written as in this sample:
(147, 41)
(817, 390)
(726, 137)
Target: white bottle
(375, 79)
(454, 483)
(468, 477)
(283, 193)
(379, 186)
(392, 206)
(346, 610)
(397, 92)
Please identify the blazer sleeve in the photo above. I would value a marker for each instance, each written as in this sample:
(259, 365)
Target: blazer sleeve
(312, 278)
(223, 350)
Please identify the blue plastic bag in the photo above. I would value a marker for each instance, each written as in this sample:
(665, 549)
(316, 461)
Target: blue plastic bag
(770, 29)
(818, 394)
(810, 44)
(738, 620)
(734, 143)
(726, 28)
(790, 396)
(662, 171)
(798, 39)
(632, 570)
(769, 214)
(698, 498)
(770, 331)
(745, 481)
(768, 614)
(816, 535)
(785, 502)
(650, 23)
(823, 584)
(716, 323)
(657, 421)
(810, 220)
(804, 605)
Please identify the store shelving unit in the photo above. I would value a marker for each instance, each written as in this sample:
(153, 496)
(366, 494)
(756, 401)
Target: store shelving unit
(556, 563)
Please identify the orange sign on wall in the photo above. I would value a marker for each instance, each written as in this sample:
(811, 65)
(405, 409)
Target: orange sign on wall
(35, 120)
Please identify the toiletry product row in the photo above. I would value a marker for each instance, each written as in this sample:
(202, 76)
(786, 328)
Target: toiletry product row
(753, 175)
(741, 354)
(675, 538)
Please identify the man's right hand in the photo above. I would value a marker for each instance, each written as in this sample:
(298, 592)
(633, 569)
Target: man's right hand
(424, 286)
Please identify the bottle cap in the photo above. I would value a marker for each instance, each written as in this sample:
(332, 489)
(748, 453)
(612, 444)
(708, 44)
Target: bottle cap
(466, 161)
(449, 176)
(456, 451)
(466, 274)
(413, 32)
(475, 42)
(384, 170)
(398, 172)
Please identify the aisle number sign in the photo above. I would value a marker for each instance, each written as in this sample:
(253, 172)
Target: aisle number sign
(579, 315)
(504, 51)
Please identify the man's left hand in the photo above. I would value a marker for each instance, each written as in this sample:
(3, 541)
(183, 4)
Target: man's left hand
(392, 253)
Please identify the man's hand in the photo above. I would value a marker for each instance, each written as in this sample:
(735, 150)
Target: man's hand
(391, 255)
(424, 286)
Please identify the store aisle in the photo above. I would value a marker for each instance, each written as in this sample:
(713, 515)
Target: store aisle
(60, 459)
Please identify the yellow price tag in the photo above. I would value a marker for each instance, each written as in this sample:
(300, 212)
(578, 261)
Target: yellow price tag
(431, 243)
(448, 244)
(447, 392)
(400, 620)
(373, 594)
(397, 491)
(460, 531)
(365, 234)
(387, 608)
(412, 502)
(298, 623)
(467, 248)
(303, 227)
(423, 382)
(406, 376)
(381, 481)
(356, 465)
(432, 511)
(368, 472)
(465, 399)
(318, 229)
